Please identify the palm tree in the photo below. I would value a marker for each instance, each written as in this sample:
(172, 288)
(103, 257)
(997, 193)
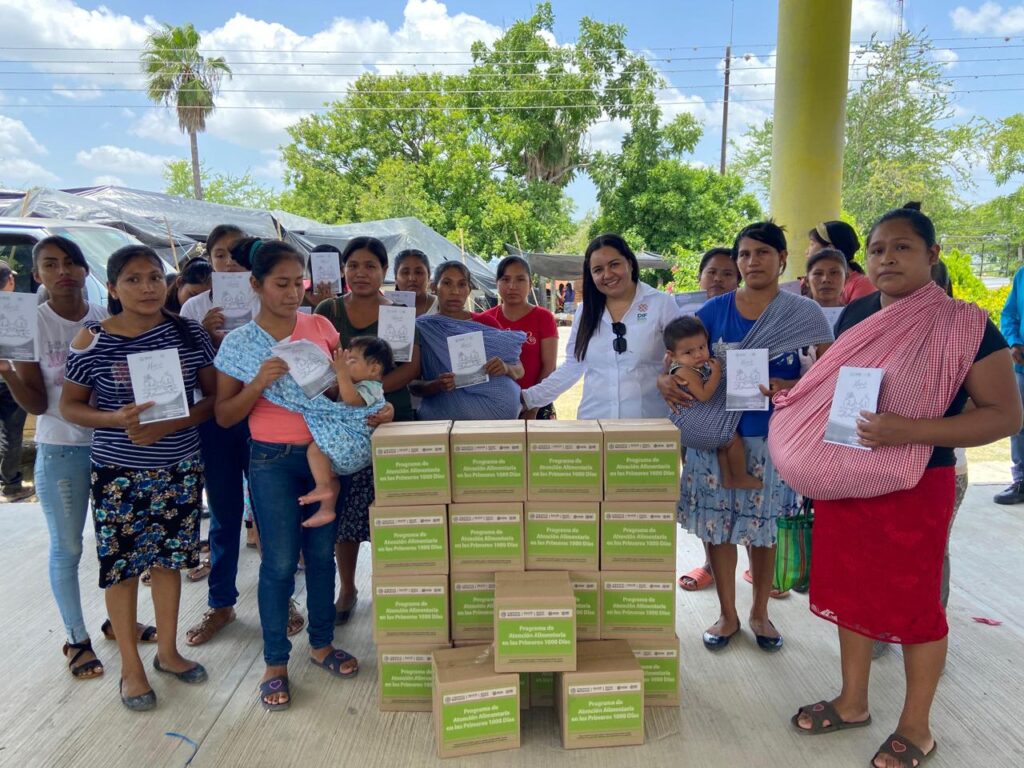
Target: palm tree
(178, 75)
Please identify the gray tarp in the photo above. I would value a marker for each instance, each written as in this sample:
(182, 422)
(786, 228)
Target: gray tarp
(564, 266)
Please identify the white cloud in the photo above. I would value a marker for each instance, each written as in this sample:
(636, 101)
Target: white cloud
(946, 56)
(273, 167)
(872, 17)
(108, 180)
(17, 148)
(989, 19)
(109, 159)
(78, 93)
(158, 125)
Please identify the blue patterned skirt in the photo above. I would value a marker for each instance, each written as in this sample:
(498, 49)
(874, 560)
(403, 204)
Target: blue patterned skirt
(720, 516)
(354, 517)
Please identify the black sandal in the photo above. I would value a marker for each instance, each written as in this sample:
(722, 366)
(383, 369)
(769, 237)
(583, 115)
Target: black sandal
(147, 635)
(334, 661)
(79, 671)
(275, 685)
(818, 714)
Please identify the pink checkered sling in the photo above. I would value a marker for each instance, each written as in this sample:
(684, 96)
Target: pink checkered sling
(926, 343)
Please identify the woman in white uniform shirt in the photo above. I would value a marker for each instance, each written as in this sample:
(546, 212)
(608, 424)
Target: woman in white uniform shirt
(616, 340)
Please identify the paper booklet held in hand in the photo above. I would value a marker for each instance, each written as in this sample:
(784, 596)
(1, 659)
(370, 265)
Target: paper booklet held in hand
(307, 364)
(326, 268)
(397, 326)
(401, 298)
(856, 391)
(232, 292)
(690, 301)
(745, 370)
(19, 326)
(468, 359)
(156, 378)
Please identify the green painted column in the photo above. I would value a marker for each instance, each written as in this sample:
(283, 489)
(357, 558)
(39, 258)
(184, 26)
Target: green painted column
(811, 72)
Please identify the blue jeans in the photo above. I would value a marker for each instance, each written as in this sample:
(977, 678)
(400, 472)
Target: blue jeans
(226, 460)
(1017, 441)
(62, 477)
(278, 475)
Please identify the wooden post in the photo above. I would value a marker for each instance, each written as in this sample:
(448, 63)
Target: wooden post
(170, 238)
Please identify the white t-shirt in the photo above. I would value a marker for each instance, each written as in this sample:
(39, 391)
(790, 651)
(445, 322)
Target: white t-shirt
(198, 306)
(55, 337)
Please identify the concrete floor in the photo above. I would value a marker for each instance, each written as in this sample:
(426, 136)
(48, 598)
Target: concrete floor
(735, 710)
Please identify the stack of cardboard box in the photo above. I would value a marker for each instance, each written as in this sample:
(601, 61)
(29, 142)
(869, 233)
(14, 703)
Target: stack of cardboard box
(551, 547)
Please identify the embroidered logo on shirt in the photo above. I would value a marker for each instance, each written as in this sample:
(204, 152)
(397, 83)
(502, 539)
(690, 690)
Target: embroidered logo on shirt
(641, 312)
(530, 338)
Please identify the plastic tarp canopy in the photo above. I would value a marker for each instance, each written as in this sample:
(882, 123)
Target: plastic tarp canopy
(397, 235)
(564, 266)
(57, 204)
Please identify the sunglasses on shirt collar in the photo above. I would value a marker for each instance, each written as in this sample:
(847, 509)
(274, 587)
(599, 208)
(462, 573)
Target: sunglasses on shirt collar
(619, 342)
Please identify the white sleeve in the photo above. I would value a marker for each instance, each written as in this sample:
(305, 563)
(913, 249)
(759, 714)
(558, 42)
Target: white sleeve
(193, 308)
(561, 379)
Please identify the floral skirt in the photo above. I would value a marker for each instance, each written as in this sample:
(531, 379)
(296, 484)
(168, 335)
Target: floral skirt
(146, 517)
(354, 520)
(720, 516)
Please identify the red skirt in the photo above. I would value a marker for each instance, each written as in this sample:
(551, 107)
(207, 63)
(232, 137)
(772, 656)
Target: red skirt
(877, 563)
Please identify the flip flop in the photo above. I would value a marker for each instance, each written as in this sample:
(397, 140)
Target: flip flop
(697, 579)
(147, 635)
(342, 616)
(274, 685)
(819, 713)
(334, 660)
(904, 750)
(778, 594)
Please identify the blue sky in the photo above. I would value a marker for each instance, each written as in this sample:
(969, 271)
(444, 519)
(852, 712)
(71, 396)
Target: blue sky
(71, 130)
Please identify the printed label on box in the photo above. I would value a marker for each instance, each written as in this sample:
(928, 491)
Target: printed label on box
(640, 603)
(406, 675)
(485, 536)
(560, 534)
(566, 464)
(542, 632)
(600, 711)
(406, 468)
(586, 593)
(404, 538)
(641, 464)
(491, 713)
(492, 467)
(646, 534)
(419, 608)
(661, 670)
(473, 604)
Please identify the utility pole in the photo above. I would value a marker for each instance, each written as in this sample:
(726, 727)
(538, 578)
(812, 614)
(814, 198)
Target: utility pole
(725, 109)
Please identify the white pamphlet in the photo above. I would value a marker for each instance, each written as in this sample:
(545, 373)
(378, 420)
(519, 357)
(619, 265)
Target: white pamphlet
(745, 370)
(468, 358)
(691, 301)
(232, 292)
(401, 298)
(832, 315)
(156, 377)
(856, 391)
(306, 310)
(325, 267)
(19, 326)
(309, 365)
(397, 326)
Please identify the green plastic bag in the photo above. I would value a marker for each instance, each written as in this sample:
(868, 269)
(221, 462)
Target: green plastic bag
(793, 550)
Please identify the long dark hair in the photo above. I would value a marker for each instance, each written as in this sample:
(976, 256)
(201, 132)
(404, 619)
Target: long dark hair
(118, 260)
(593, 299)
(842, 237)
(269, 253)
(371, 244)
(66, 246)
(911, 213)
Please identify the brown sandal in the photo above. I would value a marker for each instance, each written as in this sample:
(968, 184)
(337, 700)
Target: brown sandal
(818, 714)
(144, 633)
(201, 571)
(296, 621)
(904, 750)
(87, 669)
(213, 621)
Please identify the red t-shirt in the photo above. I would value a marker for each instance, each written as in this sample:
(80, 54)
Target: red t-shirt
(486, 318)
(538, 324)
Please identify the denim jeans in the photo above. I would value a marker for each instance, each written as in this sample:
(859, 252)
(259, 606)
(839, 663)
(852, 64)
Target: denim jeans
(1017, 441)
(278, 475)
(62, 483)
(226, 461)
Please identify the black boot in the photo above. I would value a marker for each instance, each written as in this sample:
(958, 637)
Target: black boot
(1012, 495)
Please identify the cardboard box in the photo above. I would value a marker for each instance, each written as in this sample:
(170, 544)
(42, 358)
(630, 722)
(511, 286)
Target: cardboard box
(486, 536)
(601, 704)
(472, 608)
(564, 460)
(641, 460)
(524, 677)
(562, 536)
(405, 677)
(659, 659)
(475, 709)
(409, 540)
(410, 463)
(638, 535)
(488, 461)
(586, 588)
(534, 622)
(410, 609)
(638, 604)
(542, 689)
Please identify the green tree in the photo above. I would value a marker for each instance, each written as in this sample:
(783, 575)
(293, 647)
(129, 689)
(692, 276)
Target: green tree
(1006, 148)
(220, 188)
(179, 76)
(900, 142)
